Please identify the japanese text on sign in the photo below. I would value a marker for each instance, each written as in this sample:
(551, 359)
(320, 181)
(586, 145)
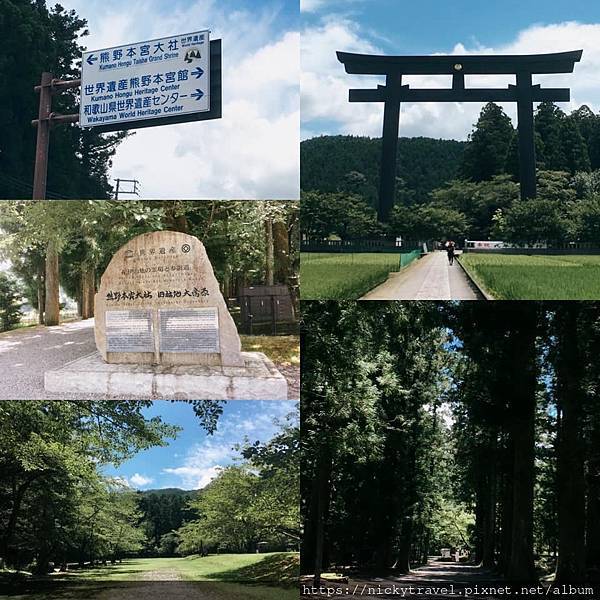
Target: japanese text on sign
(151, 79)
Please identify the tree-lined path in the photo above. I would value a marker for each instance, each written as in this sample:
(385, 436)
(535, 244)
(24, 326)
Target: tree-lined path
(430, 278)
(464, 426)
(445, 579)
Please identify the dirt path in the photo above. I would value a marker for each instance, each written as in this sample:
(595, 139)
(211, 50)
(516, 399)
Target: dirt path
(159, 590)
(434, 581)
(162, 584)
(431, 278)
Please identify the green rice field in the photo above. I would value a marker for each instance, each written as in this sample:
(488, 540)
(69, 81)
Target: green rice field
(347, 276)
(536, 277)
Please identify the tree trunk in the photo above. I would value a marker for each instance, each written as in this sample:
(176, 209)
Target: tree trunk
(41, 293)
(269, 252)
(592, 534)
(488, 559)
(52, 286)
(570, 464)
(507, 508)
(322, 501)
(87, 292)
(227, 282)
(403, 563)
(18, 493)
(521, 567)
(479, 510)
(282, 252)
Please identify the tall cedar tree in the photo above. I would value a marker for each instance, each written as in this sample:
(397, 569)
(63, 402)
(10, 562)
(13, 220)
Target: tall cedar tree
(487, 151)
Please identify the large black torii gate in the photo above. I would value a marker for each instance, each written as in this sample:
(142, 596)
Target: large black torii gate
(393, 93)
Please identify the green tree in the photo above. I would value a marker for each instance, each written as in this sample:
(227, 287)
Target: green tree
(487, 151)
(336, 214)
(429, 222)
(39, 39)
(10, 304)
(46, 450)
(478, 201)
(533, 221)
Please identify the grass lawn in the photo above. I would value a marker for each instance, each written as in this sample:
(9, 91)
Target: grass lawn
(224, 576)
(521, 277)
(346, 276)
(281, 349)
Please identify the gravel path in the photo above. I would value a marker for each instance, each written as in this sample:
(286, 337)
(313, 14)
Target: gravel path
(434, 581)
(431, 278)
(26, 354)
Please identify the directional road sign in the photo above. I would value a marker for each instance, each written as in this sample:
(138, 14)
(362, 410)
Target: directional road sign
(167, 77)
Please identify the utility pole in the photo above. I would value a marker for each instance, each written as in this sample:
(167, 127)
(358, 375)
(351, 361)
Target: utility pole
(134, 192)
(46, 118)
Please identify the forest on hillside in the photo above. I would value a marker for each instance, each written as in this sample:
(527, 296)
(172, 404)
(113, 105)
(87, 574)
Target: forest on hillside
(71, 243)
(60, 511)
(456, 190)
(351, 164)
(472, 426)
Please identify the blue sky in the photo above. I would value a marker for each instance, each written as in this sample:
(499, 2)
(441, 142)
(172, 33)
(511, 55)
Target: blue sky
(193, 458)
(429, 27)
(215, 159)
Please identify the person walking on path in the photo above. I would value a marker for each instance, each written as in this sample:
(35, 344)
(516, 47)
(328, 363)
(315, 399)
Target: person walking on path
(450, 247)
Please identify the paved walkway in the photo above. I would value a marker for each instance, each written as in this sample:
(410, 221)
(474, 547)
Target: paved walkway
(430, 278)
(26, 354)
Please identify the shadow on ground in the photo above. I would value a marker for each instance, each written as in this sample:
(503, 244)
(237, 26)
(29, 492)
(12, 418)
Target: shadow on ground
(275, 569)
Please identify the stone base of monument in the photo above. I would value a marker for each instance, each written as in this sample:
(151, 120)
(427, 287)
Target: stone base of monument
(258, 379)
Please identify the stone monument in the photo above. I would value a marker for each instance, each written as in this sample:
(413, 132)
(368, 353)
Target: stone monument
(159, 303)
(163, 330)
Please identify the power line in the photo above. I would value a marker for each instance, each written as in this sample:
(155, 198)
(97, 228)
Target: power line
(133, 189)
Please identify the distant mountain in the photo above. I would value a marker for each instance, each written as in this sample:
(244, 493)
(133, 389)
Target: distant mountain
(169, 492)
(351, 163)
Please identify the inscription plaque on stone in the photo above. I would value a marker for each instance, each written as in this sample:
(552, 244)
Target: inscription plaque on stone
(159, 303)
(189, 330)
(129, 331)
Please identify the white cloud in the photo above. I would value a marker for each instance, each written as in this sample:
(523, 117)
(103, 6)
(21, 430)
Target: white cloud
(202, 464)
(138, 480)
(325, 84)
(311, 5)
(253, 151)
(204, 460)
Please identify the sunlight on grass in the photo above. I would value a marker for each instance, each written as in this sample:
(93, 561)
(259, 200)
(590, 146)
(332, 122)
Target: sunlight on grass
(281, 349)
(347, 276)
(270, 576)
(275, 568)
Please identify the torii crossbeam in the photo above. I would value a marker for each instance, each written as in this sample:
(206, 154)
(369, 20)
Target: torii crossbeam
(393, 93)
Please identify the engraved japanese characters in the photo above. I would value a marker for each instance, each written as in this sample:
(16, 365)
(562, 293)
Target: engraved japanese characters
(160, 303)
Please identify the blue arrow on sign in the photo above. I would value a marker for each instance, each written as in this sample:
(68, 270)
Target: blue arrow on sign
(197, 94)
(91, 59)
(198, 73)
